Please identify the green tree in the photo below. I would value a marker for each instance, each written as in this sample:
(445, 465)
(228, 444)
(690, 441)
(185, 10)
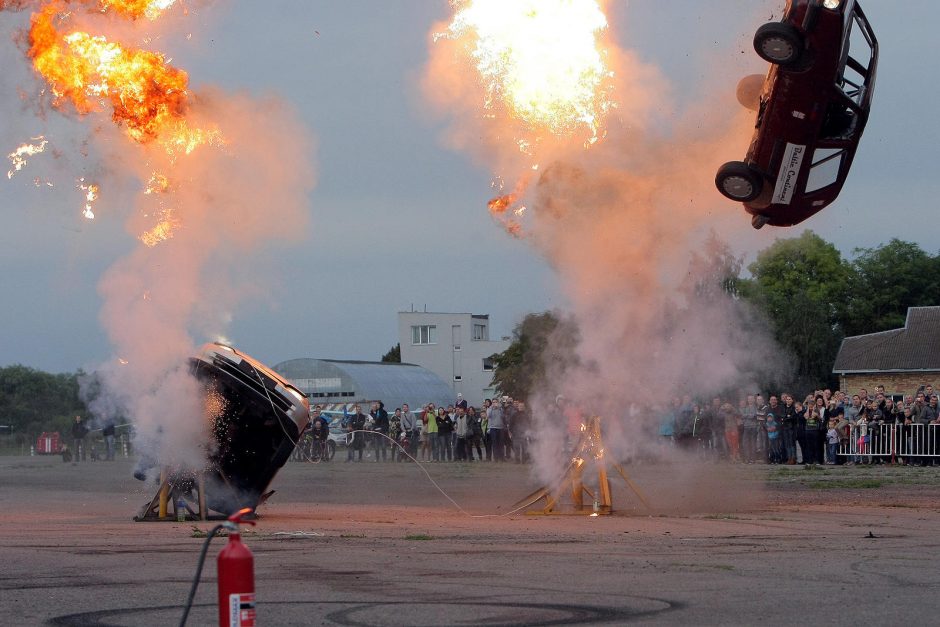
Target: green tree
(32, 401)
(393, 355)
(883, 282)
(538, 339)
(798, 283)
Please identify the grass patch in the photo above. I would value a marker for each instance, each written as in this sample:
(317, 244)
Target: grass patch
(198, 532)
(815, 469)
(418, 536)
(836, 484)
(721, 517)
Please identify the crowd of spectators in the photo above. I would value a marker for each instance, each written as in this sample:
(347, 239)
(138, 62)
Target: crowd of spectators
(497, 431)
(824, 428)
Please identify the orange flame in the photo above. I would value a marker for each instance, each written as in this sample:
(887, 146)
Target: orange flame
(500, 204)
(18, 157)
(147, 96)
(162, 231)
(151, 9)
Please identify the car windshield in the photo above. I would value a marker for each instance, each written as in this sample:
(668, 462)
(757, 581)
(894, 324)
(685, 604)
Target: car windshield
(858, 55)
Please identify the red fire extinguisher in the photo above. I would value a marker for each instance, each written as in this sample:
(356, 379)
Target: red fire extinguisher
(236, 573)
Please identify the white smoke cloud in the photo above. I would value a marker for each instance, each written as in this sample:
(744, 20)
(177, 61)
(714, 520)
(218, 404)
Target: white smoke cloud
(620, 224)
(230, 202)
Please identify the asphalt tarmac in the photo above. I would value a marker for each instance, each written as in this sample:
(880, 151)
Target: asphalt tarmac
(378, 544)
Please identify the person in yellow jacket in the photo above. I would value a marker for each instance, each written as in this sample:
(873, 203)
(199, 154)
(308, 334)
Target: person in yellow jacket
(430, 430)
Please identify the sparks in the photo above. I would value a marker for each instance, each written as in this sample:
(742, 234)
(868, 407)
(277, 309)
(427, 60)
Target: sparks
(158, 184)
(91, 195)
(163, 230)
(18, 158)
(541, 60)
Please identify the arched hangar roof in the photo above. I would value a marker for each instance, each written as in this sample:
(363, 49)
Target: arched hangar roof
(338, 381)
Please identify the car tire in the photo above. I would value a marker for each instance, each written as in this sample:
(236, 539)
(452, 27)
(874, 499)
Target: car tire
(738, 181)
(758, 221)
(779, 43)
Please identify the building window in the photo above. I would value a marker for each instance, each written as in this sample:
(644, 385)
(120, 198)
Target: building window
(424, 334)
(458, 377)
(480, 333)
(456, 347)
(488, 365)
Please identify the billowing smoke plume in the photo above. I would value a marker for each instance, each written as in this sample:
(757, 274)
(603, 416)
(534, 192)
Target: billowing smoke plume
(227, 204)
(217, 177)
(628, 224)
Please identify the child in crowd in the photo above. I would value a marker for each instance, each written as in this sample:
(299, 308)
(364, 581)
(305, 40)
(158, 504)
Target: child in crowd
(773, 439)
(861, 431)
(832, 441)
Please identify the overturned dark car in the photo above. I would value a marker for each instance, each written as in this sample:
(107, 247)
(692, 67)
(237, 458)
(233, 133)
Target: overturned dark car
(256, 417)
(811, 112)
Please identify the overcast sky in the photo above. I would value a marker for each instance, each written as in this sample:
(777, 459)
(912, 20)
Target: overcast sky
(399, 219)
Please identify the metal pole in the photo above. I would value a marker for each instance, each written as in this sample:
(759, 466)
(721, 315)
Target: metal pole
(164, 493)
(604, 487)
(203, 511)
(577, 488)
(894, 433)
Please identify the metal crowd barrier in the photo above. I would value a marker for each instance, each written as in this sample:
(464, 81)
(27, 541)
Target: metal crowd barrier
(917, 441)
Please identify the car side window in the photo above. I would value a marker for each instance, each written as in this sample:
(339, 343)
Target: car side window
(856, 59)
(825, 167)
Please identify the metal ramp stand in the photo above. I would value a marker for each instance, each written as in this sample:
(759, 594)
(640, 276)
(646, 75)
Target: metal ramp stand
(590, 447)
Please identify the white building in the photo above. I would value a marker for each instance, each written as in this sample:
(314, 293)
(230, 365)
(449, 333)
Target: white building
(454, 346)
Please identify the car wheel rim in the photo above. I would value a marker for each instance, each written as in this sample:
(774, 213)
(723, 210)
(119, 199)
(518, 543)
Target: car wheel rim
(777, 48)
(737, 187)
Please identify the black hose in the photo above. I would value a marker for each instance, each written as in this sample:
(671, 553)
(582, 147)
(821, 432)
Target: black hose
(202, 560)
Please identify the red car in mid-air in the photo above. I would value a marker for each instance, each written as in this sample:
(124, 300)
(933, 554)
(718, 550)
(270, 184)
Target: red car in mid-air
(811, 112)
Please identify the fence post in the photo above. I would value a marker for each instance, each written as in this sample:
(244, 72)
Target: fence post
(894, 430)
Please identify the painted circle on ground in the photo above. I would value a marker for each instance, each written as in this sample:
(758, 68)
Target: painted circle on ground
(413, 614)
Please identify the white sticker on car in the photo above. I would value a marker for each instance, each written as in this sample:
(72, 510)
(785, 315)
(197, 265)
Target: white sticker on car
(789, 172)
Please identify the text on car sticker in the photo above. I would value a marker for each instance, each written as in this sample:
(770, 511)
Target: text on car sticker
(789, 171)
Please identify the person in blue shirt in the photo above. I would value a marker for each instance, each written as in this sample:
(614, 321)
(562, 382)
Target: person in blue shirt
(774, 441)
